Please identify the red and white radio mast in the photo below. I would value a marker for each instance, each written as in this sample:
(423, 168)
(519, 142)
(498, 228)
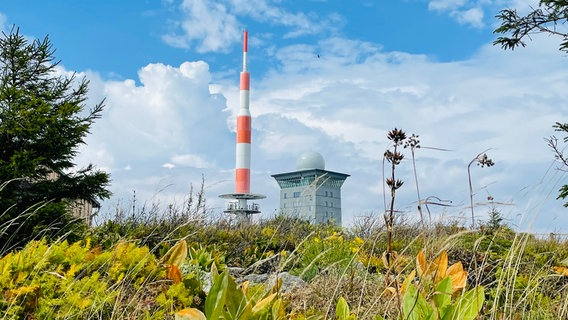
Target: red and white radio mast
(242, 194)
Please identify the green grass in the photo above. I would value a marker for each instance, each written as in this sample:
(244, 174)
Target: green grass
(116, 271)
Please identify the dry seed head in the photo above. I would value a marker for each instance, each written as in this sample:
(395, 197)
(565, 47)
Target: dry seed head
(397, 136)
(394, 184)
(485, 161)
(412, 142)
(394, 157)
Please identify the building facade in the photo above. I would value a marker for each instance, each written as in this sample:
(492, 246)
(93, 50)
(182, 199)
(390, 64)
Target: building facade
(311, 193)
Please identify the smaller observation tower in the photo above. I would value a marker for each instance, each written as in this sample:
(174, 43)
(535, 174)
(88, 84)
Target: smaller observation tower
(311, 193)
(240, 206)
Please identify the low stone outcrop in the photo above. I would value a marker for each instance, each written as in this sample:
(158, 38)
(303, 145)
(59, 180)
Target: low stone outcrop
(265, 272)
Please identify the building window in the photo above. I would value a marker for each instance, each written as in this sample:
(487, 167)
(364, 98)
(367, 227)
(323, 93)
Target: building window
(326, 193)
(285, 195)
(331, 204)
(326, 203)
(331, 194)
(297, 194)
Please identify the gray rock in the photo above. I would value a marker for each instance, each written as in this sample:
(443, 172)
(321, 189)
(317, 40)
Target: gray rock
(267, 265)
(253, 278)
(289, 282)
(236, 271)
(206, 281)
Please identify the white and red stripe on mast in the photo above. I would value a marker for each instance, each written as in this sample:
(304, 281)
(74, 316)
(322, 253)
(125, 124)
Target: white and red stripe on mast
(242, 174)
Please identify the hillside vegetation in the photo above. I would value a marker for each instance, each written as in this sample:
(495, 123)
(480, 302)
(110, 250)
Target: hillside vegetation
(177, 265)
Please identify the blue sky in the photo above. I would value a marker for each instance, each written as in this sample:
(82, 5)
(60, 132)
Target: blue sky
(115, 38)
(331, 76)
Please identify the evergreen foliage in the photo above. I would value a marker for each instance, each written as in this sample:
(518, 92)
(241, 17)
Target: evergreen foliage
(42, 122)
(544, 19)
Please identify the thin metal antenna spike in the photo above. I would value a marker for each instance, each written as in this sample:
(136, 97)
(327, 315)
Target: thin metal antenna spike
(245, 50)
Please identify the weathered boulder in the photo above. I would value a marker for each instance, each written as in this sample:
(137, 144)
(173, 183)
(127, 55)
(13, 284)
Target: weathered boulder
(289, 282)
(253, 278)
(267, 265)
(236, 272)
(265, 271)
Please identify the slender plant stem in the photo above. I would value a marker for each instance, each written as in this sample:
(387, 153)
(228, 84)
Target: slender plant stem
(471, 193)
(417, 189)
(390, 221)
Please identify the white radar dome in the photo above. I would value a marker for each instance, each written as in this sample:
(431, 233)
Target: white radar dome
(310, 160)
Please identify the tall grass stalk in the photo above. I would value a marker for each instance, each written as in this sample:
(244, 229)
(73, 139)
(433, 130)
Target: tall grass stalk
(483, 161)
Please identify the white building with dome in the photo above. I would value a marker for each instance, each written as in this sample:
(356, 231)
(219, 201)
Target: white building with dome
(311, 192)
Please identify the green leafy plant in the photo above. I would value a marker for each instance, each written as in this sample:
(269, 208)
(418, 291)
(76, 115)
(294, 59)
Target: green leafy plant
(440, 305)
(342, 310)
(228, 301)
(438, 294)
(205, 256)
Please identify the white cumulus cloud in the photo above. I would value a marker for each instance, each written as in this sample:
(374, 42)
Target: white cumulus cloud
(152, 132)
(474, 13)
(172, 126)
(207, 22)
(473, 17)
(215, 25)
(446, 5)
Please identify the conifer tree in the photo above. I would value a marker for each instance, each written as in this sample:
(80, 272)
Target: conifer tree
(43, 121)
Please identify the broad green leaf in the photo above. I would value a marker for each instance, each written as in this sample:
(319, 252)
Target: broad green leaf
(406, 282)
(467, 306)
(246, 313)
(262, 305)
(443, 295)
(236, 301)
(244, 287)
(278, 311)
(215, 300)
(414, 306)
(342, 309)
(214, 272)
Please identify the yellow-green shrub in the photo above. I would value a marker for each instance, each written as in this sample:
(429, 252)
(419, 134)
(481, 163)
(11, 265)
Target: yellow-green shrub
(325, 252)
(50, 282)
(75, 281)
